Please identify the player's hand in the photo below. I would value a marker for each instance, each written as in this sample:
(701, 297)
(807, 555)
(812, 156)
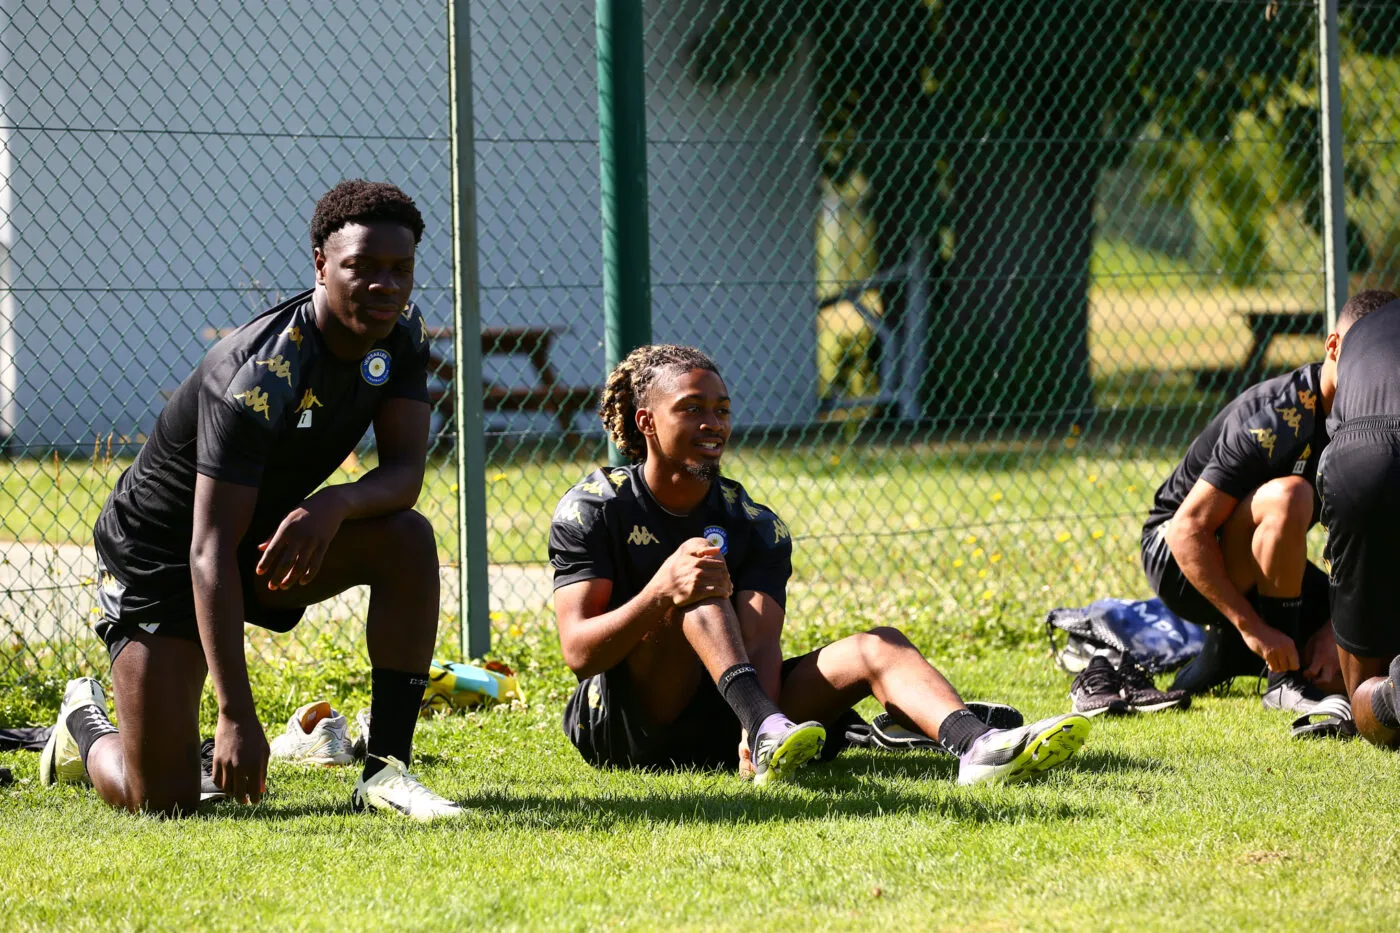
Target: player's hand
(696, 571)
(1276, 648)
(1320, 662)
(745, 757)
(240, 757)
(293, 555)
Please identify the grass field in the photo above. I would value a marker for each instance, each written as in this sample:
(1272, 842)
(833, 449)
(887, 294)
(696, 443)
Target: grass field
(1211, 819)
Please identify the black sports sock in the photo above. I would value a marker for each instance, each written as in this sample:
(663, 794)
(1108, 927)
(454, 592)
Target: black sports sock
(86, 724)
(1282, 612)
(741, 690)
(960, 729)
(393, 708)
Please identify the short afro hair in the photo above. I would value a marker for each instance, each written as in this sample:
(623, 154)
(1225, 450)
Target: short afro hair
(363, 202)
(1362, 304)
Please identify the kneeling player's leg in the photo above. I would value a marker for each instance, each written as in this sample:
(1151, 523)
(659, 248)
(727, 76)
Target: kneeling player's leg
(152, 764)
(1375, 708)
(396, 556)
(1265, 547)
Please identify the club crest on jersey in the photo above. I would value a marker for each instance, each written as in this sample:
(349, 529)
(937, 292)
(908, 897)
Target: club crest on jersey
(717, 538)
(375, 367)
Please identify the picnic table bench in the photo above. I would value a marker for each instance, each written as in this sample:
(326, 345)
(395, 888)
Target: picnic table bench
(546, 394)
(1263, 326)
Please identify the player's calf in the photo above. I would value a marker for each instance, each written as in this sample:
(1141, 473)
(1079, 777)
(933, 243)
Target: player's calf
(1376, 709)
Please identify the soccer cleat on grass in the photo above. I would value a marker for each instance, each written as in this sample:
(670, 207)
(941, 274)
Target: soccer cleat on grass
(1292, 691)
(1141, 693)
(61, 761)
(316, 735)
(1016, 754)
(360, 748)
(1098, 689)
(782, 746)
(209, 792)
(393, 788)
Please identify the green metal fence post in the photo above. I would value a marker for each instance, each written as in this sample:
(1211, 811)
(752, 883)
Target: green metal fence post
(474, 608)
(1334, 242)
(622, 151)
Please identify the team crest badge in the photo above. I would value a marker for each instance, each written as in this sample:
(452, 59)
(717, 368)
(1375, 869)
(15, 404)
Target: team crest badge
(717, 538)
(375, 367)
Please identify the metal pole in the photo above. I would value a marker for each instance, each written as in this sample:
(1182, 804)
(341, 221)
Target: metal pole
(474, 594)
(1334, 215)
(622, 155)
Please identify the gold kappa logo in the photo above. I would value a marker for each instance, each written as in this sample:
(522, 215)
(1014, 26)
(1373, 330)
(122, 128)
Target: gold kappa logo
(595, 488)
(1308, 398)
(642, 535)
(278, 366)
(751, 510)
(422, 331)
(780, 531)
(1293, 418)
(308, 401)
(110, 585)
(731, 493)
(1266, 439)
(294, 335)
(572, 511)
(256, 400)
(617, 478)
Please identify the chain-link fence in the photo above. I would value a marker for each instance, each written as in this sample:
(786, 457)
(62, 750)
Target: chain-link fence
(974, 272)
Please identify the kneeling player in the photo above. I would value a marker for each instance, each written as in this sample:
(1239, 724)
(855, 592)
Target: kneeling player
(217, 521)
(1225, 545)
(1359, 481)
(670, 586)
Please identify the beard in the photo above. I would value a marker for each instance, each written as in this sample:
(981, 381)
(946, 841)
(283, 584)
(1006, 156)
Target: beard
(708, 471)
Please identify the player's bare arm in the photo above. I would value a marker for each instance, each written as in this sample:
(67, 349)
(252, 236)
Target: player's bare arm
(594, 639)
(293, 555)
(1193, 542)
(222, 514)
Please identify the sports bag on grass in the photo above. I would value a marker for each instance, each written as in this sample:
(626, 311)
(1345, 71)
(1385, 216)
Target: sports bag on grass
(1157, 639)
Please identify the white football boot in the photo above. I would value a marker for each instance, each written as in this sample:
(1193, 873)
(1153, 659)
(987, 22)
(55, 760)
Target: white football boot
(316, 735)
(61, 761)
(393, 788)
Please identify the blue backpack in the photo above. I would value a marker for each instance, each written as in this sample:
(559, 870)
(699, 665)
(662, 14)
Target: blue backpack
(1144, 628)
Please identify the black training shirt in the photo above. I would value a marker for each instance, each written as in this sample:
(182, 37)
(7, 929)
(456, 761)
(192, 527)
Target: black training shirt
(1272, 429)
(268, 406)
(609, 527)
(1368, 370)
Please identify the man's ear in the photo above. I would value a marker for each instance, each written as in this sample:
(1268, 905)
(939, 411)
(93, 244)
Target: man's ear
(318, 256)
(1333, 346)
(646, 422)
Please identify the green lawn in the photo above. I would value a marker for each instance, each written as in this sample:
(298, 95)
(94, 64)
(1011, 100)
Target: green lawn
(1205, 820)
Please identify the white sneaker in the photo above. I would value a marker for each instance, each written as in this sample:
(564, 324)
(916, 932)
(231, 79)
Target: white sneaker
(361, 747)
(61, 761)
(316, 735)
(393, 788)
(1016, 754)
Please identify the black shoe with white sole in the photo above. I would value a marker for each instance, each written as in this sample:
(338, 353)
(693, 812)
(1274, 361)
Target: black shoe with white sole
(1098, 689)
(1141, 693)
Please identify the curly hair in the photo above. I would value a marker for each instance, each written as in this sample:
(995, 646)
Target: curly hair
(363, 202)
(1362, 304)
(632, 380)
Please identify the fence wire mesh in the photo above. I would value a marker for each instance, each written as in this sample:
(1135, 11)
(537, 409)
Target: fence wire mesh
(975, 273)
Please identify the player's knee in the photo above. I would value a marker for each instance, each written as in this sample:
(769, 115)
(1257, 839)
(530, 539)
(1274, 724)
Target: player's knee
(410, 536)
(880, 646)
(1285, 502)
(169, 805)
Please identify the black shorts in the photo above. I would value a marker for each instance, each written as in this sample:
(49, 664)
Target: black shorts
(1359, 479)
(125, 608)
(609, 727)
(1180, 596)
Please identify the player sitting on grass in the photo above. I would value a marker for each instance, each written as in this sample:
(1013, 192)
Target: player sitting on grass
(1359, 481)
(670, 591)
(1225, 545)
(218, 521)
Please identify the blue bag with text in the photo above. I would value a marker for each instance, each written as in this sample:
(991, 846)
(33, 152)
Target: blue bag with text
(1144, 628)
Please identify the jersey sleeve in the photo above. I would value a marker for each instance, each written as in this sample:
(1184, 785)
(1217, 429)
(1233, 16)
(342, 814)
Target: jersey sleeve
(768, 560)
(237, 426)
(408, 378)
(1247, 453)
(578, 541)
